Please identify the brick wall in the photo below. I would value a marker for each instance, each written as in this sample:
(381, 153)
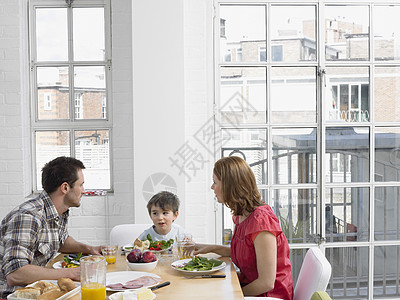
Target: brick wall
(89, 223)
(12, 89)
(92, 221)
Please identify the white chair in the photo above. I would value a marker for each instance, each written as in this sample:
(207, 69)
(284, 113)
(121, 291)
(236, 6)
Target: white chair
(124, 234)
(314, 276)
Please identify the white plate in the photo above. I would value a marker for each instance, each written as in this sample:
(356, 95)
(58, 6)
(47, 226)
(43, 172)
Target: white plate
(125, 248)
(179, 263)
(69, 294)
(129, 247)
(119, 295)
(125, 276)
(161, 251)
(57, 265)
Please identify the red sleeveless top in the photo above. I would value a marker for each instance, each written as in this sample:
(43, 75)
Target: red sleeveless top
(244, 257)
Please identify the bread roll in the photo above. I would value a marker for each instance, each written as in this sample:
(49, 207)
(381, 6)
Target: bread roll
(66, 284)
(51, 295)
(44, 286)
(50, 287)
(27, 293)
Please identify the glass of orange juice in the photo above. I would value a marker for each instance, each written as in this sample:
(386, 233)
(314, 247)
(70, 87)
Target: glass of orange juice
(93, 278)
(110, 253)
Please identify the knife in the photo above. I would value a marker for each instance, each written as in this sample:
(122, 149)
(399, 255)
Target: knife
(160, 285)
(208, 276)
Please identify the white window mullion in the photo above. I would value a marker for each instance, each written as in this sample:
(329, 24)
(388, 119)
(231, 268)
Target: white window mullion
(60, 110)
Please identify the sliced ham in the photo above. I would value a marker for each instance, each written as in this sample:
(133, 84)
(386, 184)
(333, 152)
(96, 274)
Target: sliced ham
(116, 286)
(141, 281)
(135, 283)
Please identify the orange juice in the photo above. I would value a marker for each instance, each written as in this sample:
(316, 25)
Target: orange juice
(93, 291)
(110, 253)
(110, 259)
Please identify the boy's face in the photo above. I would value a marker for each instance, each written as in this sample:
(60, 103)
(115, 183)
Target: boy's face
(162, 219)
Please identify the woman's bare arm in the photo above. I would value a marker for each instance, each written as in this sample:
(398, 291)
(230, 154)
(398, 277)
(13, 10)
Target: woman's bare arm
(207, 248)
(266, 256)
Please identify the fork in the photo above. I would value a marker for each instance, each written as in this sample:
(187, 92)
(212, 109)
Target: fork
(206, 276)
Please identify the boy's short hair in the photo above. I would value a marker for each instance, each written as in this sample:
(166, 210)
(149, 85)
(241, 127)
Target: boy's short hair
(165, 200)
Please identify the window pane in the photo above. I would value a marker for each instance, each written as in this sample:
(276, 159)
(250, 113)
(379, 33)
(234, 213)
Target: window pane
(88, 31)
(242, 33)
(293, 28)
(293, 95)
(387, 154)
(347, 154)
(386, 271)
(386, 24)
(347, 32)
(243, 95)
(347, 214)
(249, 144)
(51, 34)
(347, 94)
(294, 155)
(387, 210)
(52, 93)
(387, 94)
(49, 145)
(349, 278)
(297, 213)
(93, 149)
(90, 91)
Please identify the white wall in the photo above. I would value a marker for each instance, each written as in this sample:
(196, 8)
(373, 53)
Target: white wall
(14, 150)
(162, 98)
(172, 101)
(158, 93)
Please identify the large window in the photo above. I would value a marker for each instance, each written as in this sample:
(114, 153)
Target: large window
(70, 84)
(313, 105)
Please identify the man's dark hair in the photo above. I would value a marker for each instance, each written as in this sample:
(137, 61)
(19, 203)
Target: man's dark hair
(165, 200)
(60, 170)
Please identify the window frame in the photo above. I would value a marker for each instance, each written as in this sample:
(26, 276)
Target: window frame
(322, 63)
(71, 124)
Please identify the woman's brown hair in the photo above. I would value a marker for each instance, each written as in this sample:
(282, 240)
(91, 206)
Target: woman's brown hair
(239, 188)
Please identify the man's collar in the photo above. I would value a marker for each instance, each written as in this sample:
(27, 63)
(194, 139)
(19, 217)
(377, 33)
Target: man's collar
(51, 211)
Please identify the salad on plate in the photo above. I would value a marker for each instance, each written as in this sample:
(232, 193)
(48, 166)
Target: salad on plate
(198, 265)
(149, 244)
(71, 261)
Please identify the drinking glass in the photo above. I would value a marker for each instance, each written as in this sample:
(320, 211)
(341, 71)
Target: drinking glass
(110, 253)
(185, 245)
(93, 278)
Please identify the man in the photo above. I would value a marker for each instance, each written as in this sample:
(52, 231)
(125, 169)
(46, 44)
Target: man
(32, 233)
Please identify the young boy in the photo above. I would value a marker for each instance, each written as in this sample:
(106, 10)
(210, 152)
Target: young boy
(163, 210)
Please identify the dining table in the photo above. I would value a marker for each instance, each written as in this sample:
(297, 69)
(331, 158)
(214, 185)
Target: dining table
(181, 285)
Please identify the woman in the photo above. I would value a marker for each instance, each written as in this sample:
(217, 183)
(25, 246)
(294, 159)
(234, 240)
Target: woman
(258, 248)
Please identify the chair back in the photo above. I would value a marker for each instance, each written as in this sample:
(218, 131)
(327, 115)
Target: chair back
(124, 234)
(314, 275)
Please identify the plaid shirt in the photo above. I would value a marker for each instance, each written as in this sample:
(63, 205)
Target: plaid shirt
(31, 233)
